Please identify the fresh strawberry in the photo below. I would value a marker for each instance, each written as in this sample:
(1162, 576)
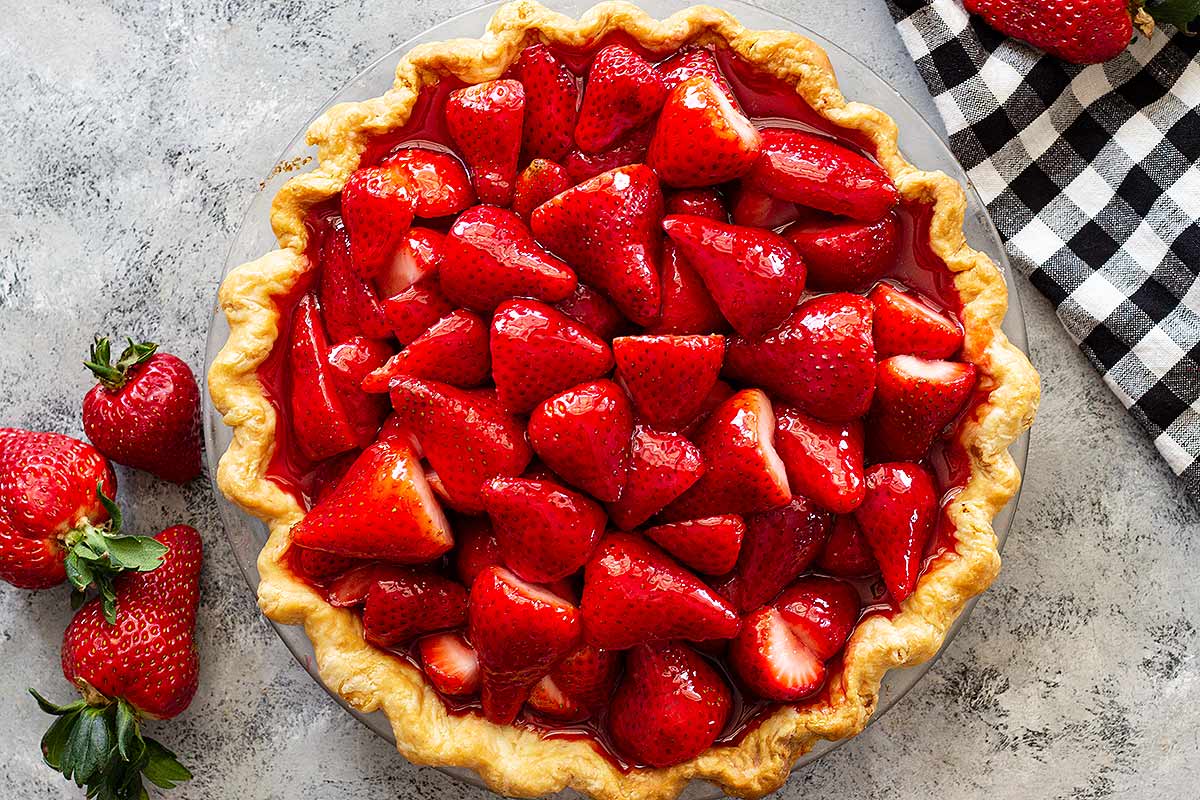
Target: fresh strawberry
(476, 548)
(846, 255)
(814, 171)
(437, 181)
(824, 460)
(697, 203)
(608, 229)
(485, 121)
(520, 632)
(847, 553)
(354, 359)
(822, 612)
(908, 324)
(377, 209)
(545, 531)
(743, 473)
(536, 184)
(454, 350)
(687, 307)
(418, 257)
(581, 166)
(351, 588)
(450, 664)
(1087, 32)
(382, 509)
(897, 518)
(702, 139)
(757, 209)
(689, 63)
(755, 276)
(668, 377)
(348, 302)
(583, 435)
(914, 400)
(579, 685)
(623, 92)
(411, 604)
(466, 437)
(552, 97)
(772, 661)
(709, 545)
(144, 411)
(662, 466)
(669, 707)
(594, 311)
(633, 593)
(410, 313)
(778, 545)
(821, 358)
(538, 351)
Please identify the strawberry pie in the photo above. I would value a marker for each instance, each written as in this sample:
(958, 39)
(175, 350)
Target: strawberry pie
(622, 405)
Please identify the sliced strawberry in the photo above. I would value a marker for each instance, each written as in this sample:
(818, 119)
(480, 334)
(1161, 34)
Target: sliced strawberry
(897, 518)
(519, 632)
(757, 209)
(668, 377)
(662, 466)
(450, 664)
(906, 323)
(348, 303)
(824, 460)
(594, 311)
(772, 661)
(698, 203)
(485, 121)
(821, 358)
(536, 184)
(846, 255)
(623, 92)
(476, 549)
(847, 553)
(581, 166)
(583, 435)
(579, 685)
(690, 62)
(755, 276)
(551, 99)
(822, 612)
(915, 399)
(466, 437)
(377, 209)
(634, 593)
(548, 700)
(608, 229)
(419, 256)
(709, 545)
(437, 181)
(410, 313)
(702, 139)
(352, 587)
(454, 350)
(355, 358)
(687, 306)
(406, 606)
(717, 395)
(670, 706)
(743, 473)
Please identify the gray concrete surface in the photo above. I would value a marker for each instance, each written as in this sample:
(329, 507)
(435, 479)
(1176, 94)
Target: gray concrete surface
(133, 137)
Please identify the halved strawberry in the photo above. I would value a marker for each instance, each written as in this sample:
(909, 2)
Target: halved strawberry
(915, 399)
(450, 664)
(355, 358)
(377, 209)
(623, 91)
(437, 181)
(668, 377)
(897, 518)
(755, 276)
(411, 604)
(822, 612)
(846, 255)
(906, 323)
(847, 554)
(583, 435)
(772, 661)
(548, 700)
(702, 139)
(419, 256)
(690, 62)
(551, 98)
(824, 460)
(476, 548)
(454, 350)
(634, 593)
(594, 311)
(709, 545)
(578, 685)
(687, 307)
(352, 587)
(697, 203)
(485, 122)
(757, 209)
(581, 166)
(661, 467)
(821, 358)
(536, 184)
(814, 171)
(410, 313)
(348, 302)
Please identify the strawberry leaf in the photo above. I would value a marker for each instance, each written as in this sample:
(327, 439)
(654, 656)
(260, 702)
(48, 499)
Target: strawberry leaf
(162, 767)
(1179, 13)
(114, 376)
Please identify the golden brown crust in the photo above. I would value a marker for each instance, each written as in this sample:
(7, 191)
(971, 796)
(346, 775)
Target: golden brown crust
(515, 761)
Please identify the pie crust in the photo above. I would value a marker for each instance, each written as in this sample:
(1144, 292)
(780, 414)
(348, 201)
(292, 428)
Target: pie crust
(517, 761)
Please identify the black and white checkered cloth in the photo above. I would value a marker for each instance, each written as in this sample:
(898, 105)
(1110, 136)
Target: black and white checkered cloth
(1091, 176)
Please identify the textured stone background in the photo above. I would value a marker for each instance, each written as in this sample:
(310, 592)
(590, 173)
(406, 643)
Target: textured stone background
(134, 136)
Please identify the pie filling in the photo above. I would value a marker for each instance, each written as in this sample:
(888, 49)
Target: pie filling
(659, 438)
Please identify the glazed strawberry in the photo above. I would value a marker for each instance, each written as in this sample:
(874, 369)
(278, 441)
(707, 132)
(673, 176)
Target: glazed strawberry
(581, 166)
(144, 412)
(579, 685)
(467, 437)
(437, 181)
(475, 548)
(846, 255)
(490, 256)
(915, 399)
(348, 303)
(662, 466)
(720, 392)
(772, 661)
(607, 228)
(1083, 33)
(519, 632)
(668, 377)
(419, 256)
(354, 359)
(594, 311)
(757, 209)
(820, 359)
(687, 306)
(824, 460)
(411, 604)
(847, 554)
(623, 92)
(778, 545)
(538, 351)
(454, 350)
(410, 313)
(545, 531)
(377, 209)
(743, 473)
(485, 121)
(450, 663)
(551, 99)
(708, 545)
(814, 171)
(320, 567)
(702, 139)
(670, 706)
(382, 509)
(634, 593)
(821, 612)
(583, 435)
(697, 203)
(897, 518)
(352, 587)
(691, 62)
(536, 184)
(755, 276)
(907, 324)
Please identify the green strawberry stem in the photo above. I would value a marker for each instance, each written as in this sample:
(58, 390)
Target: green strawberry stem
(113, 376)
(97, 743)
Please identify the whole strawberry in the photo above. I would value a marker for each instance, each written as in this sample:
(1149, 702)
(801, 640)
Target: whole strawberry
(145, 667)
(1079, 31)
(145, 411)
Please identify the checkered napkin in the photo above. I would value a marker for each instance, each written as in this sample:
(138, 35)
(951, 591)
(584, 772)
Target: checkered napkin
(1090, 174)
